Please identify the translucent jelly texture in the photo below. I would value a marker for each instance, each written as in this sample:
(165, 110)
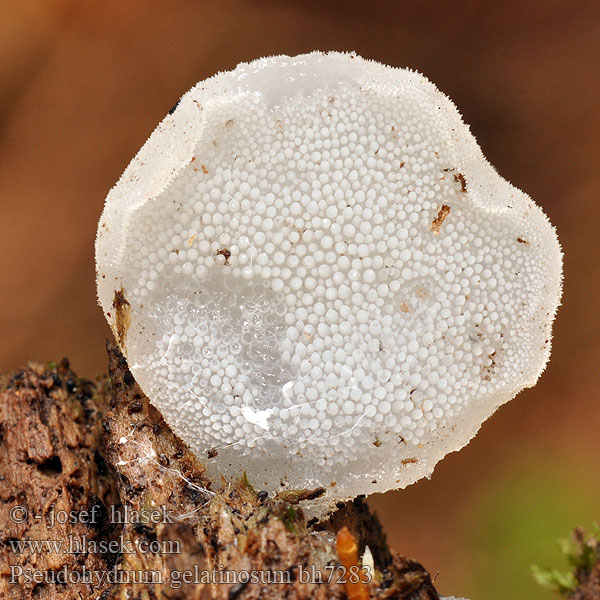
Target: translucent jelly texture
(328, 285)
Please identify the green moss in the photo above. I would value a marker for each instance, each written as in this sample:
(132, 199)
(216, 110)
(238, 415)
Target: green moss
(245, 483)
(289, 519)
(582, 552)
(553, 579)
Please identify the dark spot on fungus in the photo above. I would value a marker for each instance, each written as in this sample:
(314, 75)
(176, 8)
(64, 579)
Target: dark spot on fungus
(224, 252)
(295, 496)
(174, 107)
(204, 169)
(460, 178)
(489, 369)
(436, 224)
(522, 241)
(409, 461)
(212, 453)
(122, 318)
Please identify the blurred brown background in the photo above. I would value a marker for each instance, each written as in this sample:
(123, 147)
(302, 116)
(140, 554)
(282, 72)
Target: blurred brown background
(83, 84)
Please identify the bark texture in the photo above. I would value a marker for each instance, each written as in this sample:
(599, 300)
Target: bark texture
(68, 445)
(52, 463)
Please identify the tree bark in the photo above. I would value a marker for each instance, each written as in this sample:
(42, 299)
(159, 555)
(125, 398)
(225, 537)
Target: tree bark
(100, 454)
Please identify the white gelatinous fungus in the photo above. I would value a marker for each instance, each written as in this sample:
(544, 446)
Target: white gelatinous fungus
(318, 279)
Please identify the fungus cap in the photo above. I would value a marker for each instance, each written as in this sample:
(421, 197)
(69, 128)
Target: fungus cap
(318, 279)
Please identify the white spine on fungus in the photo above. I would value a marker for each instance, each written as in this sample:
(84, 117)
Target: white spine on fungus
(318, 278)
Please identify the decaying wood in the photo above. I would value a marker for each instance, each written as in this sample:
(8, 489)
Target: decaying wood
(75, 445)
(51, 463)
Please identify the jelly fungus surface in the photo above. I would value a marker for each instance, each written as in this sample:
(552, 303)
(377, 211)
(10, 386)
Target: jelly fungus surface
(318, 279)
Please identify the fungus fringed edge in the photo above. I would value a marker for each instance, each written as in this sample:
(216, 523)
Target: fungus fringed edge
(319, 258)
